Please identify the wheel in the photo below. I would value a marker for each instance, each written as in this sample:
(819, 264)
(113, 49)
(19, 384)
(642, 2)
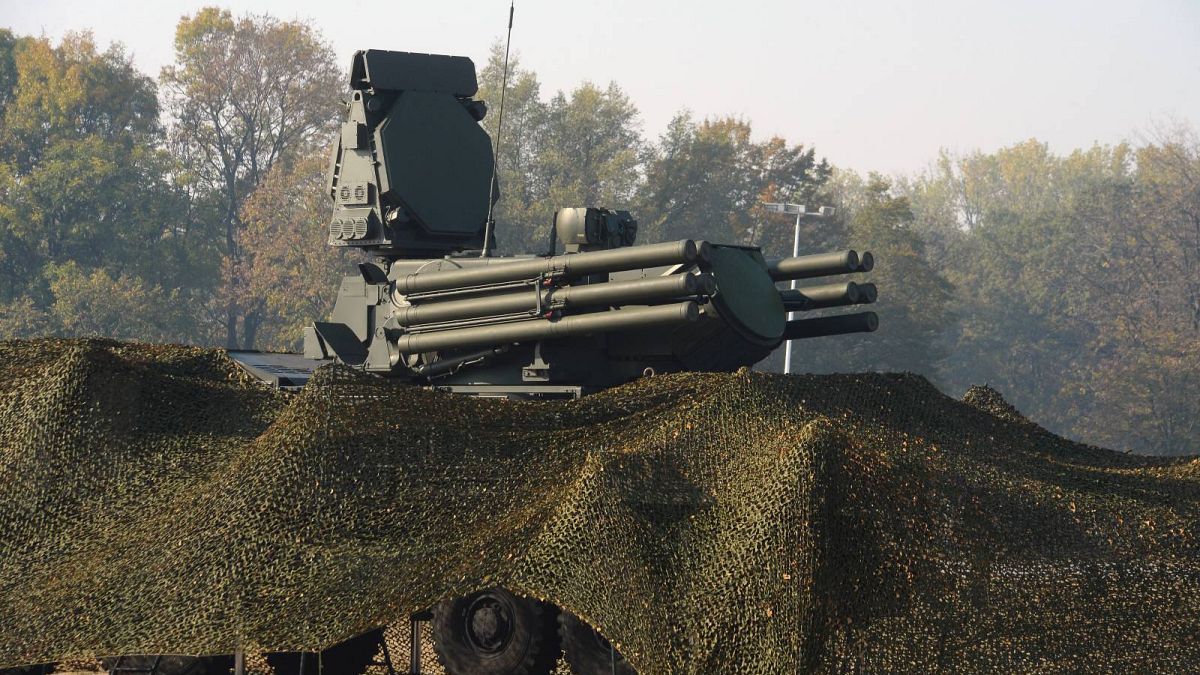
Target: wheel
(345, 658)
(157, 664)
(495, 633)
(587, 652)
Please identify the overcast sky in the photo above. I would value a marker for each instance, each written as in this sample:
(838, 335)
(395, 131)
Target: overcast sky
(872, 84)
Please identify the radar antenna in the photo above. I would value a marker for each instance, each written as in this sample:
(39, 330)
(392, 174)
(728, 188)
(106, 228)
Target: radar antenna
(491, 222)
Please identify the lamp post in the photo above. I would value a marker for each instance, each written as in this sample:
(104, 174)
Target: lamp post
(800, 211)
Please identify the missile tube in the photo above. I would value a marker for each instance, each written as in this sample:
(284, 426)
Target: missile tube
(863, 322)
(584, 295)
(569, 265)
(829, 295)
(543, 329)
(820, 265)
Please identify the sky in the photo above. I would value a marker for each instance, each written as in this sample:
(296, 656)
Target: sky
(873, 85)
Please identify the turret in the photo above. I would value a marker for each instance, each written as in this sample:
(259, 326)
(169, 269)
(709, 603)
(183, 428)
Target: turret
(412, 182)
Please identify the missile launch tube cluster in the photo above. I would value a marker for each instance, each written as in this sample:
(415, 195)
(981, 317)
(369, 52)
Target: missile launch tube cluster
(435, 303)
(551, 298)
(495, 302)
(568, 266)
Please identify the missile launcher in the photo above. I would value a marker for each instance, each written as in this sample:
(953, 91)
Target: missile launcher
(412, 183)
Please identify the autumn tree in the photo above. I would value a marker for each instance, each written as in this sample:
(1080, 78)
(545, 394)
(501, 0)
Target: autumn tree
(68, 92)
(287, 267)
(246, 94)
(84, 188)
(1136, 383)
(79, 172)
(706, 180)
(24, 318)
(699, 180)
(915, 301)
(8, 68)
(592, 140)
(1074, 284)
(577, 149)
(1011, 273)
(114, 304)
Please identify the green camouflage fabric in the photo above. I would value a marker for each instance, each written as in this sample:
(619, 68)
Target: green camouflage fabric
(156, 500)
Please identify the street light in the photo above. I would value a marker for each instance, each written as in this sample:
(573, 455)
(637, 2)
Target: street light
(800, 211)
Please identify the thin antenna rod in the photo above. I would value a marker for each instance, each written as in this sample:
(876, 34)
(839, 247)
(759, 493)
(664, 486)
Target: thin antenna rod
(491, 223)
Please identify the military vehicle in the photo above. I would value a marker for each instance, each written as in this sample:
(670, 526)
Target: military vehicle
(412, 181)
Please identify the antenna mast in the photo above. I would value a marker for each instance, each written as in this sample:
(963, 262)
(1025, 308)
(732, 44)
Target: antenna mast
(491, 222)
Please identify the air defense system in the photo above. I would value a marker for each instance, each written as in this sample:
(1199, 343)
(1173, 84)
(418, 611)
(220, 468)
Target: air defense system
(412, 181)
(412, 184)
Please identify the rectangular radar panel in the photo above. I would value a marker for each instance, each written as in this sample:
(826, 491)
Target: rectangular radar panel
(384, 70)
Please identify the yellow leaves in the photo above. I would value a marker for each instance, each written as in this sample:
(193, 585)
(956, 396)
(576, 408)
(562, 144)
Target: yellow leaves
(287, 271)
(48, 90)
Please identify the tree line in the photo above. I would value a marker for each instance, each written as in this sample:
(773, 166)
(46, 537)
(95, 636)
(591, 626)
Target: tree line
(190, 207)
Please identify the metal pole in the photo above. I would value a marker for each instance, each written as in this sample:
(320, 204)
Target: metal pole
(787, 350)
(414, 645)
(387, 657)
(239, 662)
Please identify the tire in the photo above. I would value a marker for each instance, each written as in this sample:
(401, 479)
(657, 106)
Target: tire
(158, 664)
(345, 658)
(587, 652)
(494, 632)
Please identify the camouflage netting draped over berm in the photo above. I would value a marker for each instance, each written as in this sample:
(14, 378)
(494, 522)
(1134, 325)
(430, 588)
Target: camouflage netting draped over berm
(156, 501)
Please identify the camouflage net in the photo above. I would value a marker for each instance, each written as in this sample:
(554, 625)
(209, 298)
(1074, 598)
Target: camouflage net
(157, 501)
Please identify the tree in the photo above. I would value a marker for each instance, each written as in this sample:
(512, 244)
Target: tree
(91, 200)
(592, 144)
(82, 180)
(8, 68)
(1012, 269)
(698, 179)
(914, 301)
(22, 318)
(1075, 284)
(79, 174)
(286, 265)
(1137, 382)
(69, 92)
(580, 149)
(246, 94)
(523, 213)
(706, 181)
(122, 307)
